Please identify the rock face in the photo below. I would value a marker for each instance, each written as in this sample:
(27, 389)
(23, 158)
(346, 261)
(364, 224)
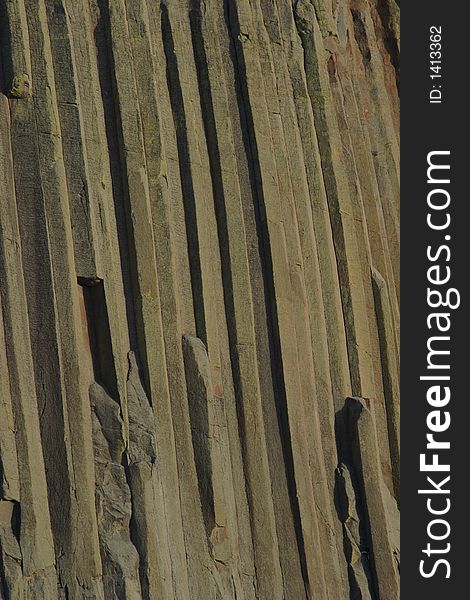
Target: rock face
(199, 264)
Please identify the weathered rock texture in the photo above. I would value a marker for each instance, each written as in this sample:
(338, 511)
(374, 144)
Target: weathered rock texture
(199, 299)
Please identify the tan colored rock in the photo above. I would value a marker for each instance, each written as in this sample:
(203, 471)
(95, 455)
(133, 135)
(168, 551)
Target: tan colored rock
(199, 299)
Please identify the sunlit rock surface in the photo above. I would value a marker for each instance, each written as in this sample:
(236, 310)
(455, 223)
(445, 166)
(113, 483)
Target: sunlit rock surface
(199, 271)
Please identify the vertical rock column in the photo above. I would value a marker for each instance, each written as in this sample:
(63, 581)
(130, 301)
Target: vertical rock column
(199, 299)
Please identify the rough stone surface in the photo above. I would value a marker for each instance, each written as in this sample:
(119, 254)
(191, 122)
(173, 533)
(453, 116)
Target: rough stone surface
(199, 284)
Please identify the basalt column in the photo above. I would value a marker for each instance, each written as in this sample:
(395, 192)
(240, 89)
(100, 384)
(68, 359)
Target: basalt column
(199, 299)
